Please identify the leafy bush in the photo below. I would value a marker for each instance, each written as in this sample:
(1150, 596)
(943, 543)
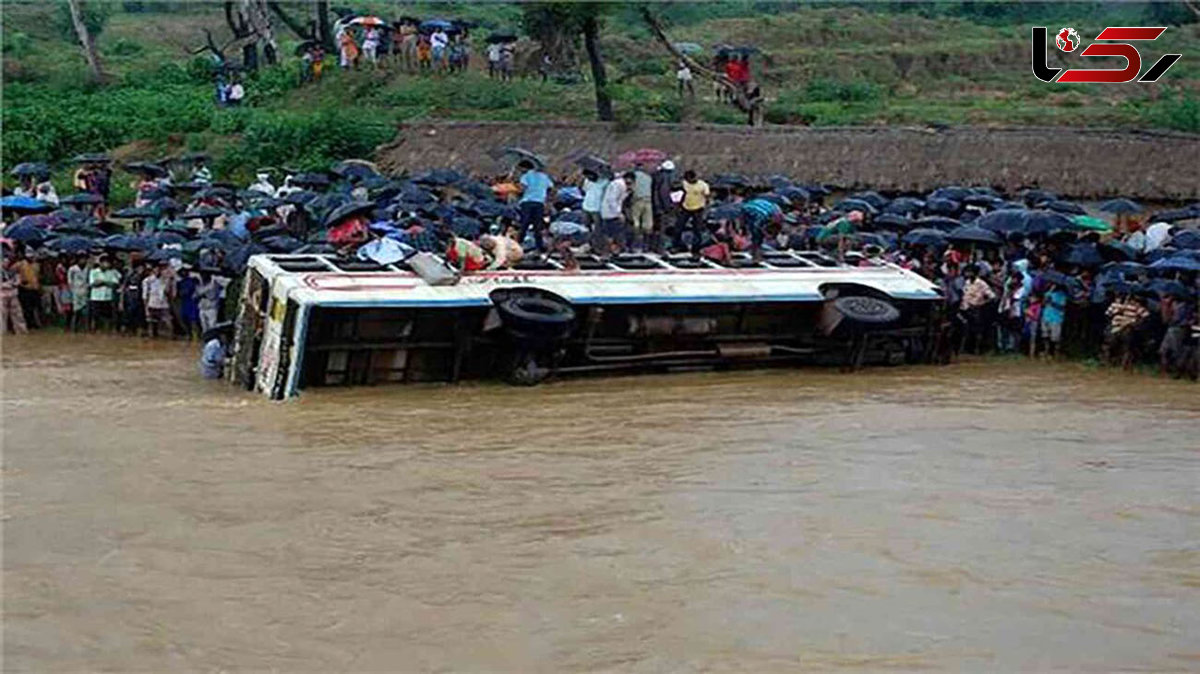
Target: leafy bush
(1176, 110)
(123, 47)
(824, 89)
(95, 16)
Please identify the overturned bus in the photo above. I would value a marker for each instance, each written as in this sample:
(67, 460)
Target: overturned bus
(320, 320)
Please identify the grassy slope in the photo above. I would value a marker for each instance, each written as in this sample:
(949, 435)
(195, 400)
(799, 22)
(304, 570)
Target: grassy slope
(822, 65)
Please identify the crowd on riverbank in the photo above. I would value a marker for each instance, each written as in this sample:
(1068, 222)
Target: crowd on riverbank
(1034, 274)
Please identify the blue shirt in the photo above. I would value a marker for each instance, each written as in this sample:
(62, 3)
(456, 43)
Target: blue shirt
(1054, 310)
(536, 185)
(212, 359)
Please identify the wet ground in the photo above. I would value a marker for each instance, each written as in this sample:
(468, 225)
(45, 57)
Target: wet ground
(989, 516)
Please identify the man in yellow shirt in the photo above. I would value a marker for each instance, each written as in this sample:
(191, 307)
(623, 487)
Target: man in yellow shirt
(29, 289)
(695, 200)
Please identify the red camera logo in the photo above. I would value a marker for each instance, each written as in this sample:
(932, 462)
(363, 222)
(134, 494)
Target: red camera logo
(1068, 41)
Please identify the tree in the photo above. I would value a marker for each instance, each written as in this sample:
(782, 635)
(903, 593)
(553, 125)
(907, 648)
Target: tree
(80, 23)
(558, 26)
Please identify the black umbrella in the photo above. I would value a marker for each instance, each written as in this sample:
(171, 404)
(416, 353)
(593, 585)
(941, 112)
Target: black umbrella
(92, 158)
(164, 255)
(203, 213)
(1006, 221)
(1058, 278)
(1115, 251)
(147, 169)
(355, 168)
(852, 204)
(513, 155)
(80, 228)
(1035, 197)
(165, 205)
(439, 177)
(136, 213)
(983, 200)
(905, 205)
(346, 210)
(1083, 255)
(590, 162)
(314, 180)
(305, 46)
(300, 198)
(1065, 207)
(925, 237)
(81, 199)
(1121, 206)
(1174, 215)
(216, 192)
(877, 200)
(126, 242)
(236, 260)
(973, 234)
(942, 206)
(167, 238)
(892, 221)
(951, 193)
(282, 244)
(71, 244)
(937, 222)
(729, 180)
(795, 193)
(1188, 238)
(25, 233)
(501, 38)
(1041, 222)
(31, 169)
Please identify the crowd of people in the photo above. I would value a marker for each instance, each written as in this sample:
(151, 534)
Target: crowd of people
(418, 46)
(1036, 275)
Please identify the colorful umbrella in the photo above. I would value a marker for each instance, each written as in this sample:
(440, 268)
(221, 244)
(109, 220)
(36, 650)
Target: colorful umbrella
(1091, 223)
(648, 156)
(25, 205)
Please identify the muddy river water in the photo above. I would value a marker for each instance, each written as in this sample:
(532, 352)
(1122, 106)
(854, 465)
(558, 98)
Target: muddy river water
(989, 516)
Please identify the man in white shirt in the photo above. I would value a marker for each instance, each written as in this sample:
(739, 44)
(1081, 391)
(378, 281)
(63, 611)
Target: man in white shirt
(263, 184)
(684, 77)
(156, 297)
(593, 194)
(438, 42)
(495, 52)
(1157, 236)
(613, 235)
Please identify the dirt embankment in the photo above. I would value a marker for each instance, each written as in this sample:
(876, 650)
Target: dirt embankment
(1080, 163)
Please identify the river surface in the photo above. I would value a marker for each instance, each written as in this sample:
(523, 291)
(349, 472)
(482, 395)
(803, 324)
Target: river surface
(988, 516)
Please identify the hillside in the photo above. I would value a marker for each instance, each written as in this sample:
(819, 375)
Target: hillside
(820, 65)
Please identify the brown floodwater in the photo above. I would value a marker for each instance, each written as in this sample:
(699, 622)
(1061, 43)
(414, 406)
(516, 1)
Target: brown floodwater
(992, 515)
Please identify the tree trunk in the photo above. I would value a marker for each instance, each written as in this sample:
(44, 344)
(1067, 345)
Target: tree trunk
(85, 39)
(324, 33)
(302, 31)
(591, 32)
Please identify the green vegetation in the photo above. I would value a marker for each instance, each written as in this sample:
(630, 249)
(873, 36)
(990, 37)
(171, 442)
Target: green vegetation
(864, 63)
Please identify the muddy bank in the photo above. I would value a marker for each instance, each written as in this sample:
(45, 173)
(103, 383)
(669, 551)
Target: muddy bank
(1081, 163)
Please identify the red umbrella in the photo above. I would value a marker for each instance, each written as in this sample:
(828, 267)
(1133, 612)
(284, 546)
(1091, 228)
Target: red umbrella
(647, 155)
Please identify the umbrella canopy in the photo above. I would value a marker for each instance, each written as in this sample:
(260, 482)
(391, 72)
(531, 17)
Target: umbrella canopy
(166, 238)
(1041, 222)
(439, 177)
(146, 168)
(853, 204)
(81, 228)
(687, 47)
(925, 237)
(25, 233)
(646, 155)
(502, 37)
(905, 205)
(300, 198)
(434, 25)
(514, 155)
(951, 193)
(1058, 278)
(368, 21)
(983, 200)
(92, 158)
(942, 206)
(138, 213)
(973, 234)
(796, 194)
(1091, 223)
(877, 200)
(1174, 215)
(165, 205)
(590, 162)
(1172, 288)
(126, 242)
(1084, 255)
(81, 199)
(892, 221)
(1115, 251)
(355, 168)
(314, 180)
(72, 244)
(164, 254)
(1176, 263)
(347, 210)
(30, 169)
(1121, 206)
(1006, 220)
(937, 222)
(1035, 197)
(203, 213)
(25, 205)
(1065, 207)
(1188, 238)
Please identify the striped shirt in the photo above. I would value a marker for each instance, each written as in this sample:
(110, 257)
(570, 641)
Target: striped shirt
(1125, 315)
(758, 211)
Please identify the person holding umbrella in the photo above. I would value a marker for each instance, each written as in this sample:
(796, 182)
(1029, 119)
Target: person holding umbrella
(535, 185)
